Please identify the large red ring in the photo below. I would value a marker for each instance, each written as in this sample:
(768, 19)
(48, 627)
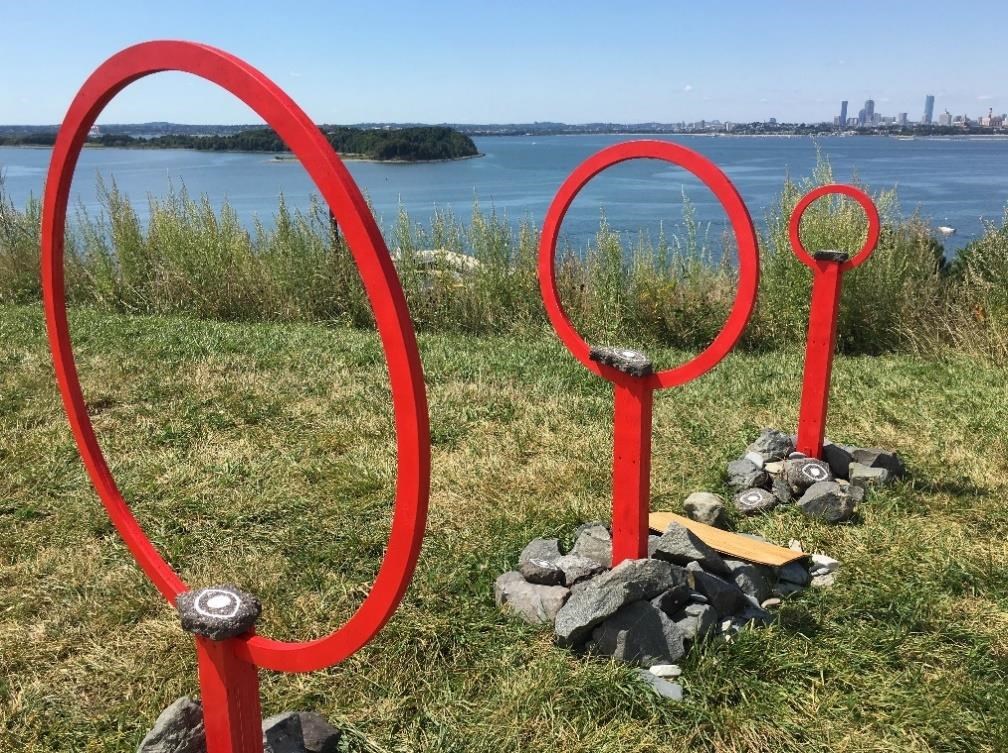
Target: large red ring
(871, 212)
(745, 237)
(380, 283)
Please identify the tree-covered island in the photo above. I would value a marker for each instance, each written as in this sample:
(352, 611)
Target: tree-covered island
(411, 144)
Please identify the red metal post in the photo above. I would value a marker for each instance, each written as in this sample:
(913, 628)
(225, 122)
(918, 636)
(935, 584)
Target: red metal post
(229, 688)
(819, 349)
(631, 479)
(828, 268)
(634, 391)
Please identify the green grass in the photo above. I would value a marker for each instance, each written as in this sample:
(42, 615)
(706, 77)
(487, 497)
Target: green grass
(262, 453)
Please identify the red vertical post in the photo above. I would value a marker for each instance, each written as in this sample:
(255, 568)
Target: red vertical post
(819, 348)
(631, 500)
(229, 687)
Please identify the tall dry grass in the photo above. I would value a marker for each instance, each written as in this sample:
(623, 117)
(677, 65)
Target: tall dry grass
(673, 290)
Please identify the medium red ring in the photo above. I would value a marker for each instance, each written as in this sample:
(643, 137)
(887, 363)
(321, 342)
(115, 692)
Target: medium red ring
(871, 212)
(381, 284)
(745, 237)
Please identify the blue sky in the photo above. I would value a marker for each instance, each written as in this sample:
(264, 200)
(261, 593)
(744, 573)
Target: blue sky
(523, 61)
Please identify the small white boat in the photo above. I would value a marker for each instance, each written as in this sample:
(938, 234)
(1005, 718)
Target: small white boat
(946, 230)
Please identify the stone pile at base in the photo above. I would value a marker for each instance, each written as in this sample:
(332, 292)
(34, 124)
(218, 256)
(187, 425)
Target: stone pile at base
(772, 473)
(179, 729)
(649, 612)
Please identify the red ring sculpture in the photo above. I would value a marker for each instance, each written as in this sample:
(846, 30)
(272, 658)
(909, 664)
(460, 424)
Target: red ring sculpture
(633, 395)
(871, 212)
(827, 277)
(381, 284)
(742, 226)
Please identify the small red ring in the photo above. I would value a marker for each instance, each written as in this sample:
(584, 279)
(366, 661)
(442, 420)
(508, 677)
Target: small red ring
(871, 212)
(745, 237)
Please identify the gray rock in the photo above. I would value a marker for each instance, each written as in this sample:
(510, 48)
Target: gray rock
(824, 581)
(673, 600)
(706, 508)
(218, 612)
(576, 568)
(640, 633)
(725, 596)
(784, 588)
(319, 736)
(755, 501)
(804, 472)
(822, 565)
(878, 458)
(755, 613)
(631, 362)
(606, 594)
(595, 543)
(282, 733)
(838, 457)
(178, 729)
(665, 670)
(742, 474)
(540, 549)
(681, 546)
(827, 501)
(671, 690)
(775, 468)
(794, 572)
(782, 490)
(542, 572)
(750, 578)
(652, 543)
(696, 621)
(772, 445)
(864, 476)
(755, 458)
(535, 604)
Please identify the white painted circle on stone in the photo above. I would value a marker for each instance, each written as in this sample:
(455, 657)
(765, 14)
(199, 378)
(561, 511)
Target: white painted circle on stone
(218, 601)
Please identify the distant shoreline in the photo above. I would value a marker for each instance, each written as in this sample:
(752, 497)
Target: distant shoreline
(274, 157)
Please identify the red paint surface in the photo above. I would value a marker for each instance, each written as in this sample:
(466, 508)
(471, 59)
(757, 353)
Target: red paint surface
(827, 281)
(633, 395)
(384, 292)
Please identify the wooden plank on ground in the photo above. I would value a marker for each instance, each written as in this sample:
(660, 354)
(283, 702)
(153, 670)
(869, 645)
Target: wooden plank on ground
(726, 542)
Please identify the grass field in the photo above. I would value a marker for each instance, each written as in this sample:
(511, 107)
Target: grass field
(262, 454)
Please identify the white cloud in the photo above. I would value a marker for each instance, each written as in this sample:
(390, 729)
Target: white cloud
(688, 88)
(984, 97)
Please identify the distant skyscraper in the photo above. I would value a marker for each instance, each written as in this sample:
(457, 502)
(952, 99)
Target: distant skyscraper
(869, 110)
(843, 112)
(928, 109)
(902, 119)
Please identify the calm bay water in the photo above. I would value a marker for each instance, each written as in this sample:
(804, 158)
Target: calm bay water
(953, 182)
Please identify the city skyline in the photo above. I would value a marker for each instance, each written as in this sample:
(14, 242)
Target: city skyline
(868, 117)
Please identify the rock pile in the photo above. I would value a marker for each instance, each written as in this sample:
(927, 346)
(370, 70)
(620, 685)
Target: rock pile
(772, 473)
(179, 729)
(648, 611)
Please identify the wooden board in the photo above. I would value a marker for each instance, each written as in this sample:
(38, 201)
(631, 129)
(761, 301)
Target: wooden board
(726, 542)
